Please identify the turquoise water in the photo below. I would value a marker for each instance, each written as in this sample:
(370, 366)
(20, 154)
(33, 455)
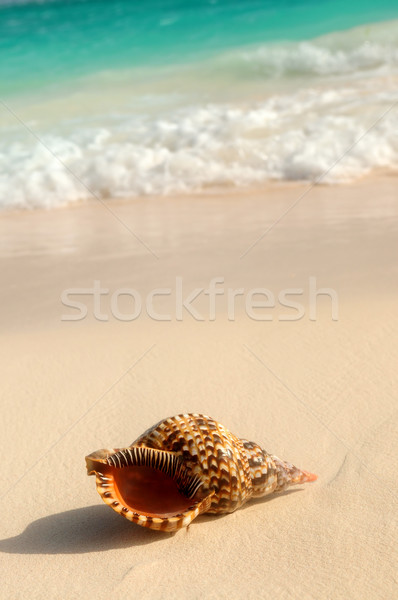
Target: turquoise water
(45, 42)
(171, 96)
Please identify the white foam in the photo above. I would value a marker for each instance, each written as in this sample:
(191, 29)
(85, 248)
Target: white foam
(364, 48)
(330, 127)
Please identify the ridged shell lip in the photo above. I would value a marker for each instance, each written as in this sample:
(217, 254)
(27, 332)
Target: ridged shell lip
(148, 486)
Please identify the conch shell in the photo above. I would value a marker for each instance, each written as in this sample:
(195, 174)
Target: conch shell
(184, 466)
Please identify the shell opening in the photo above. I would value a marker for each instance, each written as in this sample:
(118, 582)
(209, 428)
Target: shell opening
(145, 481)
(149, 491)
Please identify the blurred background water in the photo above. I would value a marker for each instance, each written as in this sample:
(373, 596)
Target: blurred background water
(173, 96)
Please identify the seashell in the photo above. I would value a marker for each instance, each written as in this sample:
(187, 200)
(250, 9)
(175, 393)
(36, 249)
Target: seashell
(185, 466)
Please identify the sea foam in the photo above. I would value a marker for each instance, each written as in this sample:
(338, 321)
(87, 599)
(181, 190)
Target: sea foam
(327, 112)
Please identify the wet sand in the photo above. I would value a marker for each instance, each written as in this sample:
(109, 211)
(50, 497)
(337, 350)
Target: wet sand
(318, 391)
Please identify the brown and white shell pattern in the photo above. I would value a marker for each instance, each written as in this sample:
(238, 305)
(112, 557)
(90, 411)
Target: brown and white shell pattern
(184, 466)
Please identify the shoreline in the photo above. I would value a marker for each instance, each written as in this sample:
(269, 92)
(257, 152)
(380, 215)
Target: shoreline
(376, 175)
(152, 241)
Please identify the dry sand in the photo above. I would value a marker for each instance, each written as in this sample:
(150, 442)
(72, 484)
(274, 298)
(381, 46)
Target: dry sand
(320, 393)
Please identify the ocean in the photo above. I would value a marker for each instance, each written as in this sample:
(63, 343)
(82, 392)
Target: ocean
(123, 98)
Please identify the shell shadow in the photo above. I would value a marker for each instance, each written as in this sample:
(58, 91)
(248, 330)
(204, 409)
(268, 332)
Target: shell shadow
(94, 529)
(88, 529)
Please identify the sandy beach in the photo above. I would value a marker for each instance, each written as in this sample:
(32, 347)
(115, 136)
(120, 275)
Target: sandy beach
(319, 390)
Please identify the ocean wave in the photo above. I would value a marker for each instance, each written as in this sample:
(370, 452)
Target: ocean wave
(311, 59)
(337, 124)
(299, 137)
(365, 48)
